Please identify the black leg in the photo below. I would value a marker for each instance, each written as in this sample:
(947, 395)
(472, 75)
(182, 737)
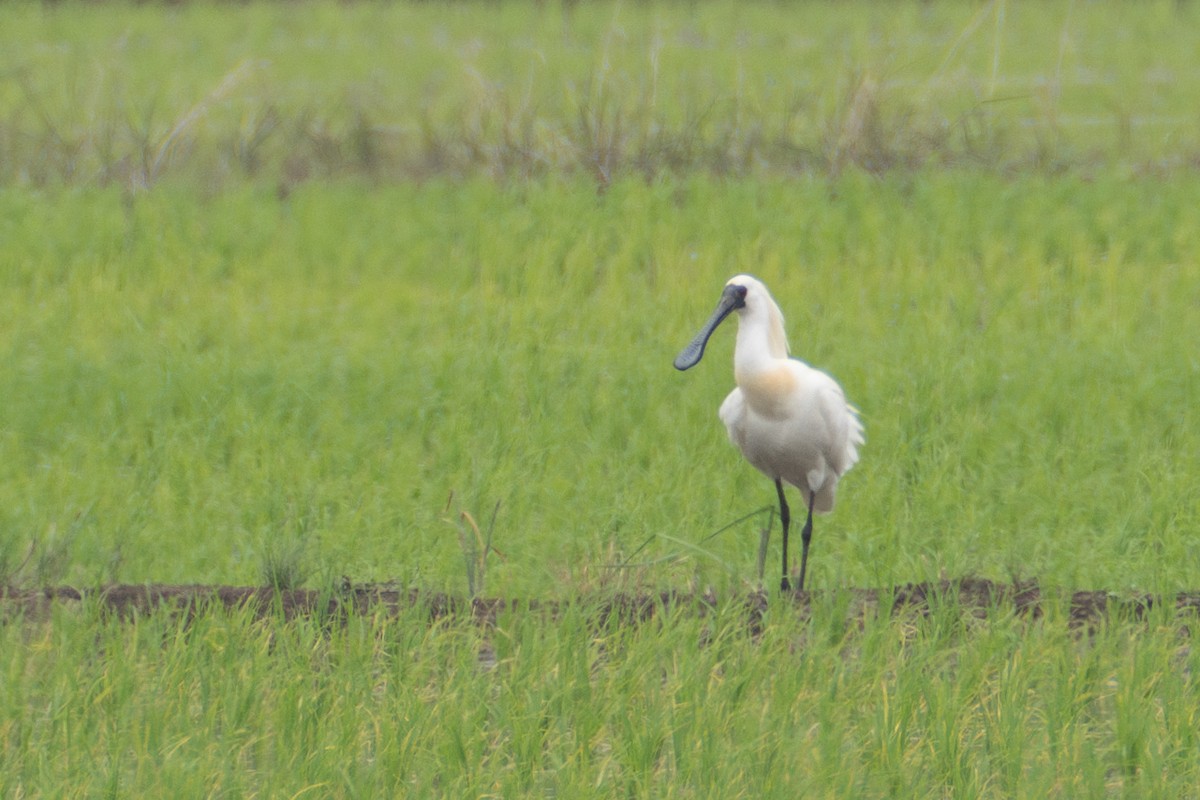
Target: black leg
(806, 537)
(785, 517)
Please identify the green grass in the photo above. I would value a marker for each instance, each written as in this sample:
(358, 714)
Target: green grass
(682, 707)
(390, 292)
(209, 93)
(193, 384)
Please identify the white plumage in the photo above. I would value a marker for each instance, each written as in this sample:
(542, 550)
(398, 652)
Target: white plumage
(792, 422)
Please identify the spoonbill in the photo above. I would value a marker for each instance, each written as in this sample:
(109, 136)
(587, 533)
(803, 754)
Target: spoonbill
(790, 421)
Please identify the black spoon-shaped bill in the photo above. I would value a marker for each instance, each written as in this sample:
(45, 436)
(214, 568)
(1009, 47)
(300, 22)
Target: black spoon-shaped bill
(733, 298)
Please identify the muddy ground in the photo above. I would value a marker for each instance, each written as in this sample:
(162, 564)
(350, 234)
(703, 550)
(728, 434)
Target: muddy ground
(974, 596)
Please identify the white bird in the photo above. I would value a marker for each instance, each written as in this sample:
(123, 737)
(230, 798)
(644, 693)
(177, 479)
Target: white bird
(792, 422)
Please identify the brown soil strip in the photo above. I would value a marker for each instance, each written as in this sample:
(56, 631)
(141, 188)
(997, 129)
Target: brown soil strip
(975, 596)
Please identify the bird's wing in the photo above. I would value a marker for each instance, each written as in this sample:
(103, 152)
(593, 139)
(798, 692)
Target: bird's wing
(733, 414)
(844, 425)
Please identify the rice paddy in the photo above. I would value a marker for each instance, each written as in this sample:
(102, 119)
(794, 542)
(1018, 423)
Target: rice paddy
(326, 295)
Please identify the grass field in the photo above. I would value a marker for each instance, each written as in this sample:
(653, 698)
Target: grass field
(906, 707)
(291, 293)
(287, 92)
(194, 383)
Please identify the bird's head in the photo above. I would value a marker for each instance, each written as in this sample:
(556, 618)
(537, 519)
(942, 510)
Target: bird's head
(741, 292)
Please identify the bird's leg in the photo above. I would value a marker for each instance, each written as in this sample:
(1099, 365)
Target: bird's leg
(785, 518)
(806, 537)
